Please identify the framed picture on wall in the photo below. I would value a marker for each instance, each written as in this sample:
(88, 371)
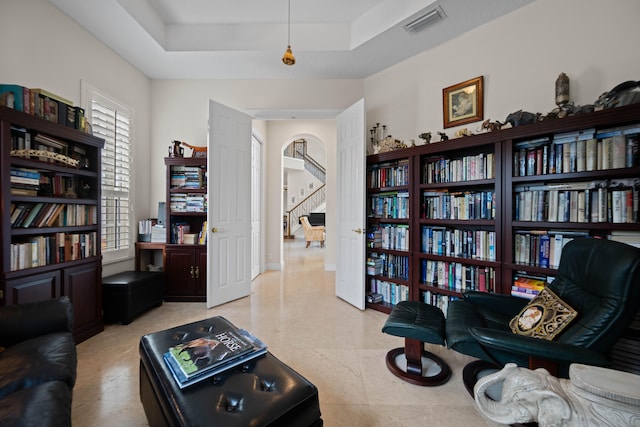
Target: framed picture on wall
(463, 103)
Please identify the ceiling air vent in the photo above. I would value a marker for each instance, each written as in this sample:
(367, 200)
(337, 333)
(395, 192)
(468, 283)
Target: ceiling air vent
(423, 20)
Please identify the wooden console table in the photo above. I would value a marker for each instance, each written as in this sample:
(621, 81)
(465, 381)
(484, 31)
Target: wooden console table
(142, 255)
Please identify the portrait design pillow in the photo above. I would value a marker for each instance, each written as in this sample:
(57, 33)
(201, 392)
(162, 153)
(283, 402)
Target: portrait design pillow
(544, 317)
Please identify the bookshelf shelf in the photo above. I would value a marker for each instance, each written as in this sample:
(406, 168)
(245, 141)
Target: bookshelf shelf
(50, 215)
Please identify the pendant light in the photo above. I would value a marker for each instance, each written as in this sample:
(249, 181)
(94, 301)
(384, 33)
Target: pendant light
(288, 58)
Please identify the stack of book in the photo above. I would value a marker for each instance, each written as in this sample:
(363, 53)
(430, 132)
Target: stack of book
(24, 182)
(194, 177)
(158, 234)
(204, 357)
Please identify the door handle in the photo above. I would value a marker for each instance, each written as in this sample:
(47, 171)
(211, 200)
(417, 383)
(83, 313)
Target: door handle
(197, 272)
(358, 230)
(192, 272)
(214, 230)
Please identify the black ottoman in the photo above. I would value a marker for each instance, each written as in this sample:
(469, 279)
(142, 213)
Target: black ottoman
(127, 294)
(418, 323)
(263, 392)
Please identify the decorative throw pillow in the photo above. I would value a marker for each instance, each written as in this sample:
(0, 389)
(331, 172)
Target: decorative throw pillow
(544, 317)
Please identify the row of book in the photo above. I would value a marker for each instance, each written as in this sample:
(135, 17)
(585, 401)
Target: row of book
(458, 242)
(42, 147)
(191, 202)
(388, 265)
(438, 300)
(528, 286)
(615, 201)
(393, 205)
(387, 236)
(188, 177)
(387, 292)
(542, 248)
(389, 175)
(579, 151)
(52, 249)
(467, 168)
(458, 205)
(40, 214)
(201, 358)
(455, 276)
(42, 103)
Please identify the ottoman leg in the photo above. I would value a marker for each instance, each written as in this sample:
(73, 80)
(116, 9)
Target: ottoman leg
(417, 359)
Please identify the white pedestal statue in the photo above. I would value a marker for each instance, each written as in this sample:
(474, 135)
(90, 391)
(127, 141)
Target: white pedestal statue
(592, 396)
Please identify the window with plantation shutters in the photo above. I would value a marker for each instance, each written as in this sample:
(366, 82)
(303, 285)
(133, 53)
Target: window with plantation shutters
(113, 122)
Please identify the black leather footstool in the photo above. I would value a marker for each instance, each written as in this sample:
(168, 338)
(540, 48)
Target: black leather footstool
(263, 392)
(127, 294)
(418, 323)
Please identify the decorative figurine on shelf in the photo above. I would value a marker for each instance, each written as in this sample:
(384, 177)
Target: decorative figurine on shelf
(490, 126)
(520, 118)
(462, 132)
(176, 150)
(197, 151)
(388, 144)
(562, 90)
(443, 136)
(426, 136)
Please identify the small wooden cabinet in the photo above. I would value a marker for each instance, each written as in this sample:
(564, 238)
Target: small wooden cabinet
(186, 272)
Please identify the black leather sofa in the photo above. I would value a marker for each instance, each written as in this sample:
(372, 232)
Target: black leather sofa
(37, 363)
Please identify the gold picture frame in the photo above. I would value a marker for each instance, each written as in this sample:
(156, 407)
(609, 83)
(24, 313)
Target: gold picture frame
(463, 103)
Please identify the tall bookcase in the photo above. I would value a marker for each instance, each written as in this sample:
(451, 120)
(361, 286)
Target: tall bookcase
(186, 214)
(486, 209)
(50, 217)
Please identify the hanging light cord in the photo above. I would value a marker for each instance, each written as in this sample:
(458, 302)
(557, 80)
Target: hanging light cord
(289, 26)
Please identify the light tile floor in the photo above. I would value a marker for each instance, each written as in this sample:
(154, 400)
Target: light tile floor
(295, 311)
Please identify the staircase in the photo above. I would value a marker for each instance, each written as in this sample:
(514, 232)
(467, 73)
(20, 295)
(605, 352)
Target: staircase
(298, 149)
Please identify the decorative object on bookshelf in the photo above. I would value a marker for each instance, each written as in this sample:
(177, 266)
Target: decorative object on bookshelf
(544, 317)
(443, 136)
(490, 126)
(175, 150)
(520, 118)
(196, 150)
(426, 137)
(562, 90)
(463, 103)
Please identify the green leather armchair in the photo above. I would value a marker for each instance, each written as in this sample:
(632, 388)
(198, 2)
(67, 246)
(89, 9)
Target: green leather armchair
(599, 278)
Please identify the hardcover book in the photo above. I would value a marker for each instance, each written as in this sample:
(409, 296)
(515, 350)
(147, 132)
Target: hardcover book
(201, 358)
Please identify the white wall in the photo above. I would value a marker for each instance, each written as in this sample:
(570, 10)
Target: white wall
(42, 47)
(520, 56)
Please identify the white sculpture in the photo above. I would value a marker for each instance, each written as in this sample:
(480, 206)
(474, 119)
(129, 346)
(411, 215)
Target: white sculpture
(592, 396)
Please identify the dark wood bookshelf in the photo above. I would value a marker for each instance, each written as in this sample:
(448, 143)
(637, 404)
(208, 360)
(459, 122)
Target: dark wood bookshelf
(500, 144)
(78, 276)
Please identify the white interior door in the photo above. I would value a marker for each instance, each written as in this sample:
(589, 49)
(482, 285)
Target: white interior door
(256, 206)
(350, 254)
(229, 205)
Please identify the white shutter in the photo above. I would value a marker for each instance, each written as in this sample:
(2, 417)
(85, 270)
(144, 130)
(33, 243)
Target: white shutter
(113, 123)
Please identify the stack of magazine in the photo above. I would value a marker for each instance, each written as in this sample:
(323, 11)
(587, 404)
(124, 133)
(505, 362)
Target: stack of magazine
(201, 358)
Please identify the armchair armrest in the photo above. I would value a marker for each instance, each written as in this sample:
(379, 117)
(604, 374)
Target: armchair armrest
(537, 348)
(505, 304)
(25, 321)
